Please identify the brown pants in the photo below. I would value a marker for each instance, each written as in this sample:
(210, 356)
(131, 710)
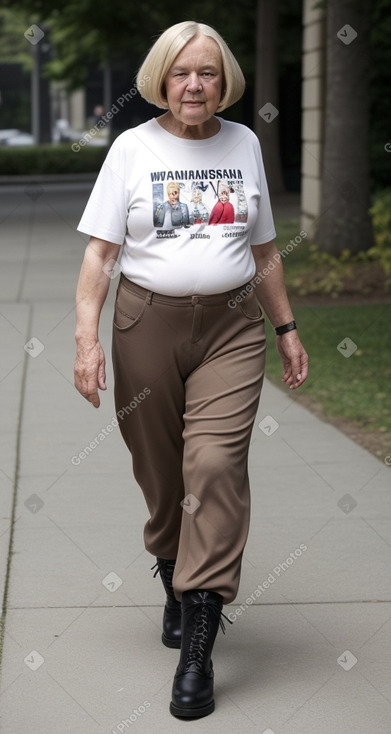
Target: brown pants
(188, 376)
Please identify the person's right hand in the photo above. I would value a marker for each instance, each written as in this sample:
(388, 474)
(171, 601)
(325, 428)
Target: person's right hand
(90, 370)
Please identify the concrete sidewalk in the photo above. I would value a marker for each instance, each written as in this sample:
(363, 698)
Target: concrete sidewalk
(309, 649)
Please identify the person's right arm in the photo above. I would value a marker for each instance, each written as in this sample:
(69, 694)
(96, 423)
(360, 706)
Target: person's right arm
(92, 289)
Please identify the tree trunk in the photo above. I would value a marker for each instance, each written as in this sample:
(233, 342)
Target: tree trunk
(344, 222)
(266, 92)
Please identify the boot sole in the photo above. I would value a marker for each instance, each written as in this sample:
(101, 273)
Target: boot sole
(192, 713)
(168, 642)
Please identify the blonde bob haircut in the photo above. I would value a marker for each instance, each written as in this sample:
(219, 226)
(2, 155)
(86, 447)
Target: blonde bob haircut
(153, 71)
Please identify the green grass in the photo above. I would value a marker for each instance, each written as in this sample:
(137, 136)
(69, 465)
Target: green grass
(357, 387)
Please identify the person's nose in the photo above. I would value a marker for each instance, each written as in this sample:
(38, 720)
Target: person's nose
(194, 83)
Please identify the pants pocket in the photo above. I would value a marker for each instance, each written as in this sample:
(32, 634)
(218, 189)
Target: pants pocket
(250, 307)
(129, 309)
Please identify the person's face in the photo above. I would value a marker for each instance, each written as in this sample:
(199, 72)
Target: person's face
(173, 195)
(224, 196)
(197, 196)
(194, 81)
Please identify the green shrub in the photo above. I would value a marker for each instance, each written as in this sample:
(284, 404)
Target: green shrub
(46, 159)
(325, 274)
(381, 220)
(369, 271)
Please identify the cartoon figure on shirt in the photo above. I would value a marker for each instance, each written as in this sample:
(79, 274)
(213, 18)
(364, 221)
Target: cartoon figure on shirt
(223, 211)
(198, 211)
(242, 208)
(171, 213)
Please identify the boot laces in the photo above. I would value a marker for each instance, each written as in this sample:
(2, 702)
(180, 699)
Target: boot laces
(221, 623)
(166, 571)
(198, 641)
(166, 568)
(199, 638)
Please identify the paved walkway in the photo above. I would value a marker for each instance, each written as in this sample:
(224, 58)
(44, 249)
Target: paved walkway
(309, 651)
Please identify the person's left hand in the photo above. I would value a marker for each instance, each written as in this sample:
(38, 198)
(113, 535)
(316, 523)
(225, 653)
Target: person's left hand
(294, 359)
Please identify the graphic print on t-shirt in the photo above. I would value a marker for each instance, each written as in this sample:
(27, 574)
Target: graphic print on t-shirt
(206, 197)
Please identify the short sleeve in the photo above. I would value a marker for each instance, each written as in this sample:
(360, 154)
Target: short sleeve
(105, 215)
(264, 229)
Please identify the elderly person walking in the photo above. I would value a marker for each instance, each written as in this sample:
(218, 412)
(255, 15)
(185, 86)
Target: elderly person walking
(188, 330)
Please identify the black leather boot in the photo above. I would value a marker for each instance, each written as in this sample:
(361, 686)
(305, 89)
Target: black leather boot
(192, 691)
(171, 636)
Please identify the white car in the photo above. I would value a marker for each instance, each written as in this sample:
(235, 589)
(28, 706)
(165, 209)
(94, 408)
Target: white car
(15, 137)
(5, 134)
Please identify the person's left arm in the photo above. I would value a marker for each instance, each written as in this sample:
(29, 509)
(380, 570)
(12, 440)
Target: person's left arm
(272, 296)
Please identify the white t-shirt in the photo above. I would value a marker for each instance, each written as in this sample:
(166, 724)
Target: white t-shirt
(185, 211)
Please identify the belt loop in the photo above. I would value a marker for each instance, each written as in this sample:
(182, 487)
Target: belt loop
(194, 300)
(149, 297)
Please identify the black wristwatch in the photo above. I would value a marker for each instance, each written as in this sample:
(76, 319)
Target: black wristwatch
(291, 326)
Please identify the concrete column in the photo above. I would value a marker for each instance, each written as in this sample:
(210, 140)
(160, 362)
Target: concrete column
(313, 106)
(77, 109)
